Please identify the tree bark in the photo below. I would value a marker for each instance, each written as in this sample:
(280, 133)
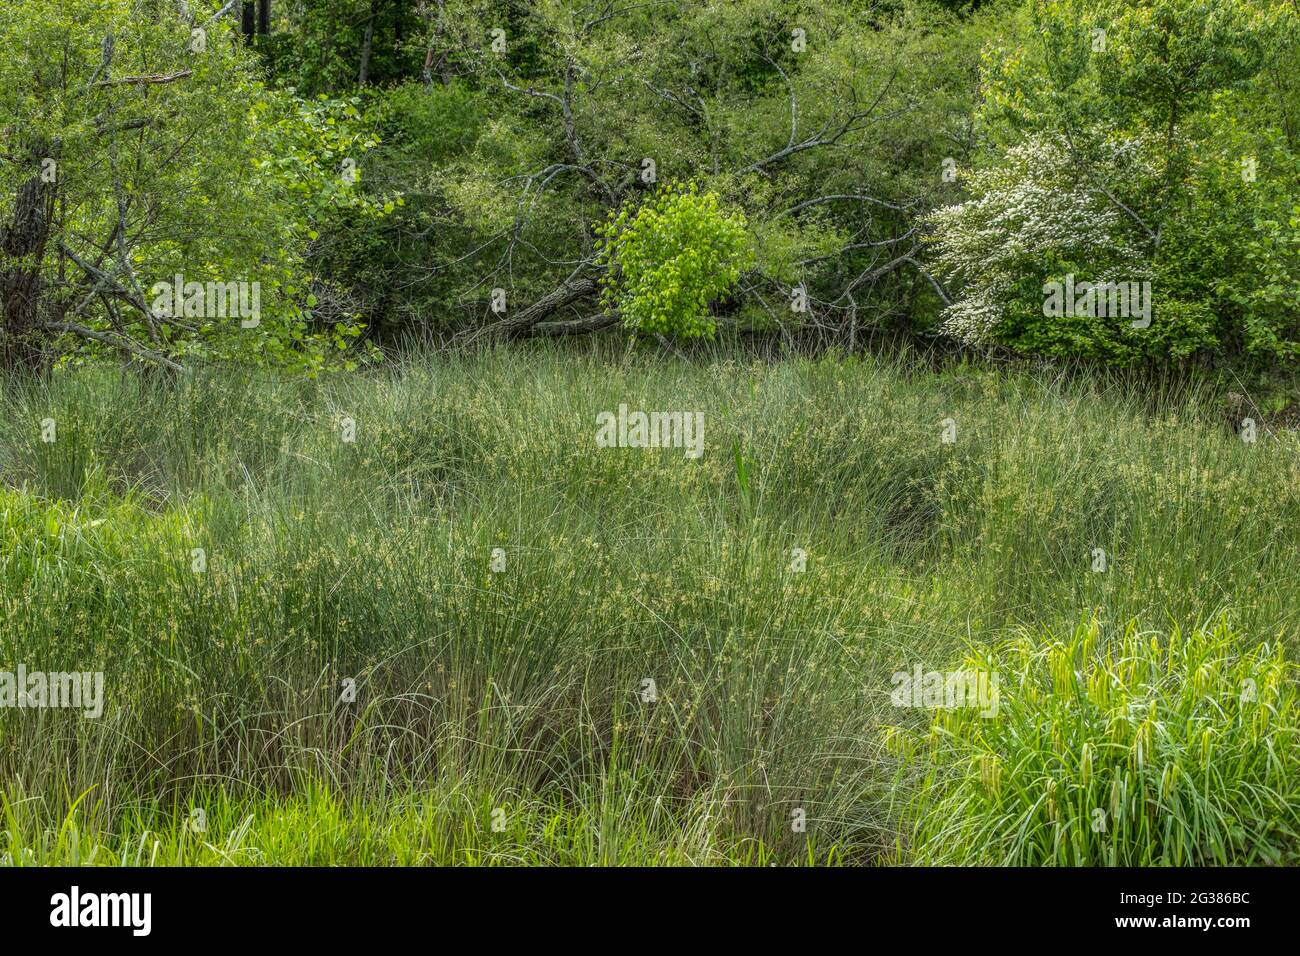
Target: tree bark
(592, 323)
(22, 245)
(367, 44)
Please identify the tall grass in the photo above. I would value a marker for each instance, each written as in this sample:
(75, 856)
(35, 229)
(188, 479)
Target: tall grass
(526, 691)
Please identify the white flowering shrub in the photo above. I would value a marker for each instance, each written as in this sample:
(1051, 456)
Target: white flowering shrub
(1029, 218)
(1032, 219)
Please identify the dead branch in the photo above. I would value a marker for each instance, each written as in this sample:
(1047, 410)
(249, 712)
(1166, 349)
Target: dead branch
(152, 79)
(116, 339)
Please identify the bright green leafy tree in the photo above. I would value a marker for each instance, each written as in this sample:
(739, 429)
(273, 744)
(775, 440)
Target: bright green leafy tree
(670, 257)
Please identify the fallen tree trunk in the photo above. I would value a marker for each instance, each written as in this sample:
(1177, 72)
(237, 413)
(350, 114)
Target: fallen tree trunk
(592, 323)
(523, 321)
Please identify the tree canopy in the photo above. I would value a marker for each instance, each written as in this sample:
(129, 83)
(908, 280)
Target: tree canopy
(464, 171)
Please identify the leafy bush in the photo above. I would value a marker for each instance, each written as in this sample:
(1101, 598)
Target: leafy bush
(670, 257)
(1135, 751)
(1031, 219)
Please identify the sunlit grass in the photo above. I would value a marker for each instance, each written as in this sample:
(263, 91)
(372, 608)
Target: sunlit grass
(1126, 749)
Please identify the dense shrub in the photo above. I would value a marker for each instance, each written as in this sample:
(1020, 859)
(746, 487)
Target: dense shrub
(670, 257)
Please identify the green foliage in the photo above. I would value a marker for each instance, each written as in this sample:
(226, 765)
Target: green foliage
(670, 257)
(424, 135)
(450, 825)
(1134, 143)
(172, 158)
(321, 50)
(1137, 750)
(511, 160)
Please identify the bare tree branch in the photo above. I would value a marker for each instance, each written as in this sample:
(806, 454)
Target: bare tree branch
(572, 289)
(221, 13)
(117, 339)
(149, 80)
(109, 283)
(592, 323)
(925, 272)
(838, 196)
(852, 123)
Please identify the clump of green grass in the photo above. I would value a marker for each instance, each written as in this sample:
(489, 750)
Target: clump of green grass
(1140, 750)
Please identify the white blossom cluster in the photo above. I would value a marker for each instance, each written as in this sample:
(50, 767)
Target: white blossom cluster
(1038, 200)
